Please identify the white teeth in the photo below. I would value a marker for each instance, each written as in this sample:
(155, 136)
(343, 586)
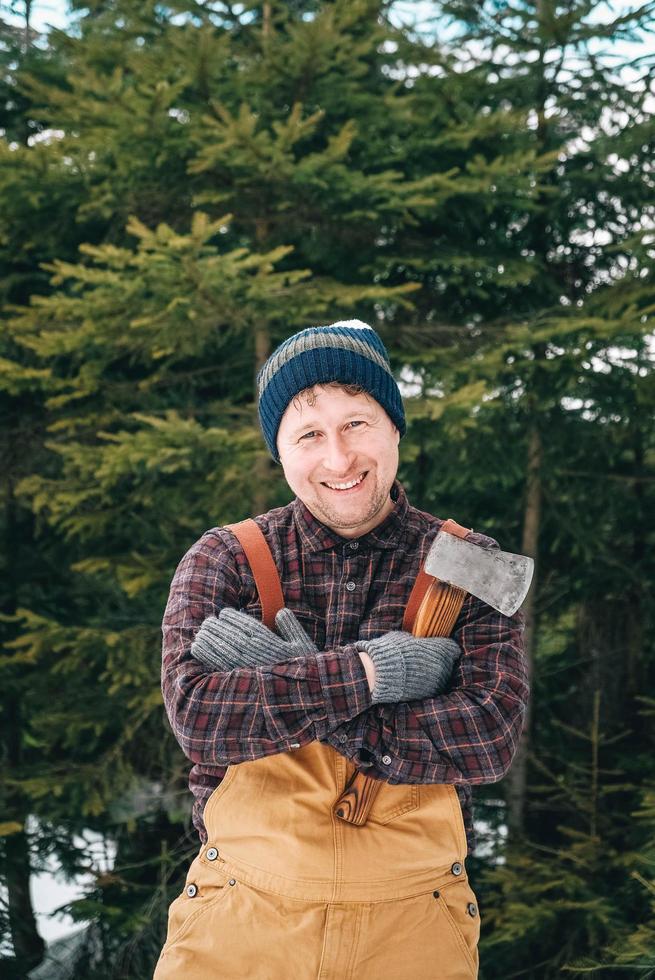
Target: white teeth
(345, 486)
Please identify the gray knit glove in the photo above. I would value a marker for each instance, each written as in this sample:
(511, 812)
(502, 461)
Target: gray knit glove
(235, 639)
(408, 667)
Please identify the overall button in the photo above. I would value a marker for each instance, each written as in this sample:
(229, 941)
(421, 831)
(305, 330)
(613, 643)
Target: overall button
(471, 908)
(191, 891)
(211, 854)
(232, 881)
(351, 586)
(456, 868)
(386, 759)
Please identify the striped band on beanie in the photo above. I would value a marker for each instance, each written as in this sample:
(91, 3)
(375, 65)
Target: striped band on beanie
(348, 351)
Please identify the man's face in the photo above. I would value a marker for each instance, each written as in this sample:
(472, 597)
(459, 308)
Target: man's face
(340, 439)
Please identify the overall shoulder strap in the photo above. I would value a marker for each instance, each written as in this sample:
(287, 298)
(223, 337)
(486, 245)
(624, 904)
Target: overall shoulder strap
(267, 579)
(268, 583)
(424, 581)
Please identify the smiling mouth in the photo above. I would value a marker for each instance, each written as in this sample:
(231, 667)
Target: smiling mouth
(347, 485)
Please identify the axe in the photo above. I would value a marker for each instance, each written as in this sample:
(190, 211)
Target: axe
(453, 568)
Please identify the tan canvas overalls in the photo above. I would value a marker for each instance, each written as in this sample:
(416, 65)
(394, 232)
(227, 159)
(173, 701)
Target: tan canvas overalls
(284, 889)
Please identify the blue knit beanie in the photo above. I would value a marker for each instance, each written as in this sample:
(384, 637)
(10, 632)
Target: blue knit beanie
(348, 351)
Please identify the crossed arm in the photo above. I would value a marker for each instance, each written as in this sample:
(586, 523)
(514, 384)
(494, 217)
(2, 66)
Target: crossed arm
(226, 717)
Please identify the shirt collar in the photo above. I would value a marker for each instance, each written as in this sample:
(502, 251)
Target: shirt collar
(315, 536)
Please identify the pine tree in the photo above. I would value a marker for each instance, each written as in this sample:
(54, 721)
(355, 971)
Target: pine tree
(542, 383)
(235, 174)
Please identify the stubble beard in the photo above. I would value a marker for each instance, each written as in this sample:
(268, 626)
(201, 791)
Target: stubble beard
(336, 519)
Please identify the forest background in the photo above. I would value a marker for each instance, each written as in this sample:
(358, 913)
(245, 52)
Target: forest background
(182, 185)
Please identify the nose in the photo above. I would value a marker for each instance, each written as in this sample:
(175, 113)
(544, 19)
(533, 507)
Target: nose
(338, 458)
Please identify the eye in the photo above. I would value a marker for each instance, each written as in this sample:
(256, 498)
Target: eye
(308, 435)
(357, 422)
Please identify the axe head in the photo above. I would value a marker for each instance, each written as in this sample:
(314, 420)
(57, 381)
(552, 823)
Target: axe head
(499, 578)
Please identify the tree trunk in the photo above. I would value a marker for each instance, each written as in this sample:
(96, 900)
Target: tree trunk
(517, 776)
(262, 468)
(517, 780)
(636, 674)
(29, 947)
(612, 628)
(266, 19)
(28, 14)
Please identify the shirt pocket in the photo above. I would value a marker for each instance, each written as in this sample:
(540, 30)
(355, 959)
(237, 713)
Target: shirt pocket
(312, 624)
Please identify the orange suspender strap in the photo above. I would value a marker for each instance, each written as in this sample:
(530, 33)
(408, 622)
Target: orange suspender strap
(424, 581)
(265, 573)
(421, 586)
(267, 579)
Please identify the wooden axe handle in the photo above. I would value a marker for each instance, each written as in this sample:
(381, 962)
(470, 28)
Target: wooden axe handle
(436, 616)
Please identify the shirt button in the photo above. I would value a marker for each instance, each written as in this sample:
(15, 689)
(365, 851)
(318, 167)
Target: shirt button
(211, 854)
(351, 586)
(191, 891)
(343, 737)
(456, 868)
(386, 759)
(354, 545)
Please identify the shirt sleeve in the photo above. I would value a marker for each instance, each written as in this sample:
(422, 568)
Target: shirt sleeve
(226, 717)
(469, 734)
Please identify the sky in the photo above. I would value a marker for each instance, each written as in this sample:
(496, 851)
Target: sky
(54, 12)
(48, 12)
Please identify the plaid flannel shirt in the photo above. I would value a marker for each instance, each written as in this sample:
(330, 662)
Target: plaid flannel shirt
(341, 591)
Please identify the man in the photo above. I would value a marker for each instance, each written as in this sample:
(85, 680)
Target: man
(277, 721)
